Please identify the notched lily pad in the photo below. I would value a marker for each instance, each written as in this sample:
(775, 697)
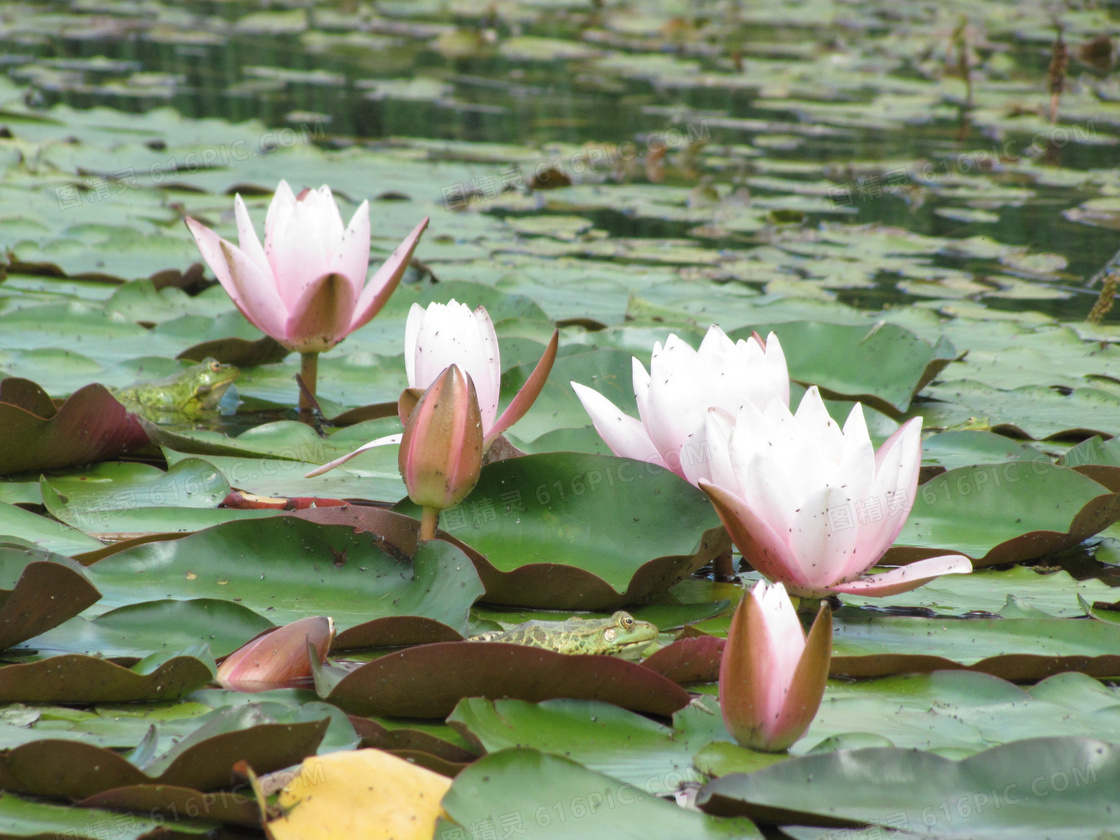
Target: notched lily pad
(1004, 513)
(238, 351)
(1058, 787)
(89, 426)
(427, 681)
(575, 531)
(201, 761)
(38, 591)
(85, 680)
(884, 365)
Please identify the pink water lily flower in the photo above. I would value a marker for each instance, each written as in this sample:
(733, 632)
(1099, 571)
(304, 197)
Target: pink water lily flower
(306, 286)
(674, 398)
(771, 678)
(813, 506)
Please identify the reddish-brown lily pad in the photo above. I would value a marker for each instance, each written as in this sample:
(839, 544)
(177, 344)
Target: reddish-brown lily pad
(56, 767)
(79, 680)
(90, 426)
(173, 801)
(49, 590)
(688, 660)
(427, 681)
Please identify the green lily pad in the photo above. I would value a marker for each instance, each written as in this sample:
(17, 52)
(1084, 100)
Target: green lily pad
(285, 568)
(604, 738)
(23, 526)
(138, 630)
(427, 681)
(22, 819)
(547, 796)
(869, 645)
(884, 366)
(1002, 513)
(1061, 786)
(603, 532)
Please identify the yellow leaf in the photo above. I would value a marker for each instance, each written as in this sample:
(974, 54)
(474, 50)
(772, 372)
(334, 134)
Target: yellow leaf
(363, 793)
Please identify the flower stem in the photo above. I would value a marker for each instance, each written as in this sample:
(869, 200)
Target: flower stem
(429, 519)
(309, 373)
(808, 608)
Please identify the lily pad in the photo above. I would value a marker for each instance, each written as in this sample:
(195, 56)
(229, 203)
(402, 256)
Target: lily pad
(884, 365)
(552, 797)
(1002, 513)
(90, 426)
(427, 681)
(39, 591)
(269, 736)
(78, 679)
(268, 566)
(603, 532)
(869, 645)
(1062, 786)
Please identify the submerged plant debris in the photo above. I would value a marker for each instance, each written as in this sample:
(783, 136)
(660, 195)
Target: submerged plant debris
(920, 199)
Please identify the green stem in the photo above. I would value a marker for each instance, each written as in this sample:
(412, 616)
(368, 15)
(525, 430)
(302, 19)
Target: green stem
(808, 608)
(309, 373)
(429, 519)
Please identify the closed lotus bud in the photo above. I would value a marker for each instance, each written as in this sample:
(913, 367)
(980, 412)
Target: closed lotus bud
(771, 678)
(278, 658)
(441, 451)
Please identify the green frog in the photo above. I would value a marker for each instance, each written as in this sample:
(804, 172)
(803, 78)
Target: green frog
(189, 393)
(621, 635)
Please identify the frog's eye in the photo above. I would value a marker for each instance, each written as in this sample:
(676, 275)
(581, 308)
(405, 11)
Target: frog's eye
(627, 622)
(610, 634)
(215, 367)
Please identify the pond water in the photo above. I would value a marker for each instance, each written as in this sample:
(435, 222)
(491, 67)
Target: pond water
(798, 103)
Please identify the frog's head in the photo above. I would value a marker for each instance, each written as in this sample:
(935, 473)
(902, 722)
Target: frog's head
(620, 635)
(204, 385)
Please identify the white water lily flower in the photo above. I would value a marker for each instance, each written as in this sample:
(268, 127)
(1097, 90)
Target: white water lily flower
(674, 398)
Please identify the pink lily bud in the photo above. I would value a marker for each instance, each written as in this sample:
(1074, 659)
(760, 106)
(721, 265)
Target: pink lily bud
(771, 679)
(441, 451)
(277, 658)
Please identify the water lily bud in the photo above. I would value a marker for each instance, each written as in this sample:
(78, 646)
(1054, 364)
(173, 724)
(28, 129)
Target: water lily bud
(278, 658)
(441, 451)
(771, 679)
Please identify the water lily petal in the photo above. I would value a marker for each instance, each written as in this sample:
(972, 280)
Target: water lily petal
(330, 465)
(806, 688)
(321, 315)
(302, 242)
(625, 435)
(385, 279)
(906, 578)
(759, 543)
(250, 289)
(527, 395)
(247, 236)
(351, 258)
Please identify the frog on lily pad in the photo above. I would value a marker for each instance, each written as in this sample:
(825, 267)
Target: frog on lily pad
(190, 394)
(620, 635)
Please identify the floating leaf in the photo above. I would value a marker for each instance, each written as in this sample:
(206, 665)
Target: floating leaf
(90, 426)
(428, 680)
(555, 797)
(1002, 513)
(1060, 786)
(39, 591)
(603, 532)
